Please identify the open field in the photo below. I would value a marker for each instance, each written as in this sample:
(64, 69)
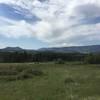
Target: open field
(71, 81)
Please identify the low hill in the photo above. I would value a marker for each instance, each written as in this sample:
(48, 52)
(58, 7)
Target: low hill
(12, 49)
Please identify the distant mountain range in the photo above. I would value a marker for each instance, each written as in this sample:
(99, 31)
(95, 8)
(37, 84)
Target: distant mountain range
(73, 49)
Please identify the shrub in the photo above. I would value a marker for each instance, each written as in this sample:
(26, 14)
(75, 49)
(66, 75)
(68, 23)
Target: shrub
(10, 78)
(93, 59)
(12, 75)
(35, 72)
(23, 75)
(60, 61)
(7, 72)
(29, 73)
(69, 80)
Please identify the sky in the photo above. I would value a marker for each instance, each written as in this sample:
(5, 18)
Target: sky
(34, 24)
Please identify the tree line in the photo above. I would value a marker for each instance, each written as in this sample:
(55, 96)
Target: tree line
(27, 56)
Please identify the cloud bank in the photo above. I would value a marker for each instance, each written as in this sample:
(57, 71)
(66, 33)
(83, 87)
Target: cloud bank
(56, 22)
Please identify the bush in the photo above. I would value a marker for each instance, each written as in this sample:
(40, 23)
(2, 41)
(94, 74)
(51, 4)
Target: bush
(69, 80)
(93, 59)
(8, 72)
(10, 78)
(23, 75)
(36, 72)
(29, 73)
(12, 75)
(60, 61)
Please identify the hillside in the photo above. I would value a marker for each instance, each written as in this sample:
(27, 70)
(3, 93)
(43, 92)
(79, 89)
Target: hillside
(12, 49)
(73, 49)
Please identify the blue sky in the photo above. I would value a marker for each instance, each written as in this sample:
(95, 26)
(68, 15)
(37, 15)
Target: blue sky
(7, 11)
(35, 24)
(28, 43)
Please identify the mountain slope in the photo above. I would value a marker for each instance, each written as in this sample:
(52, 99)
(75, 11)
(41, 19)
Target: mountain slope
(80, 49)
(73, 49)
(12, 49)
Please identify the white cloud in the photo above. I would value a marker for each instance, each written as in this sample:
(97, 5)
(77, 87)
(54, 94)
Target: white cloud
(15, 29)
(63, 22)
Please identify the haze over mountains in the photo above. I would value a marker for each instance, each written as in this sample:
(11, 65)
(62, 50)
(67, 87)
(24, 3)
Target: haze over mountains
(72, 49)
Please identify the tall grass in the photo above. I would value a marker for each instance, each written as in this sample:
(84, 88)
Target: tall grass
(68, 81)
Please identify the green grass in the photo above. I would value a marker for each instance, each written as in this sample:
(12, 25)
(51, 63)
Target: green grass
(58, 82)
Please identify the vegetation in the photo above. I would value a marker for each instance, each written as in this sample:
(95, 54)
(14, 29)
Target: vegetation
(27, 75)
(93, 59)
(25, 56)
(60, 61)
(17, 72)
(38, 57)
(48, 81)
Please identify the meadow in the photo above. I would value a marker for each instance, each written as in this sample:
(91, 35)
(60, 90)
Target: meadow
(49, 81)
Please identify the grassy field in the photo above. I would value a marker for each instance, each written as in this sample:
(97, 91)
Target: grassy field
(71, 81)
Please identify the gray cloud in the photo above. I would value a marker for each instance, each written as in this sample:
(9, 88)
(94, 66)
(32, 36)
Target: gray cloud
(88, 10)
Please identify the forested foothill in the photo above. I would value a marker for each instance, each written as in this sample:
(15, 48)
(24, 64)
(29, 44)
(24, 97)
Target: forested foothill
(47, 56)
